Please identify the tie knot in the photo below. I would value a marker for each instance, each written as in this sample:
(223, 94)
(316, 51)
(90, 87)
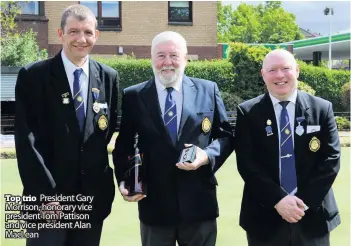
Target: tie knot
(169, 90)
(77, 73)
(284, 104)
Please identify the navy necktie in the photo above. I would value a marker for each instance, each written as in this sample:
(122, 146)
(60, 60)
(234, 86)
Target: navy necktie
(78, 99)
(287, 157)
(170, 115)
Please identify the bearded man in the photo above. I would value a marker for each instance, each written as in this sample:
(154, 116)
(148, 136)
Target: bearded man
(169, 113)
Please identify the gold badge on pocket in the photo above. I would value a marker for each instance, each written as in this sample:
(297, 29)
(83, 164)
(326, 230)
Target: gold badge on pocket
(315, 144)
(102, 122)
(206, 125)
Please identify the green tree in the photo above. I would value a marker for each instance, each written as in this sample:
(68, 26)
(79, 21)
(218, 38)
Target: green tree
(268, 23)
(18, 48)
(9, 11)
(246, 26)
(273, 5)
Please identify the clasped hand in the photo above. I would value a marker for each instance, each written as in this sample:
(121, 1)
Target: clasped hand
(291, 208)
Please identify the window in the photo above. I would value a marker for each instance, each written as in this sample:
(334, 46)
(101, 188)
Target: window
(31, 8)
(180, 11)
(107, 13)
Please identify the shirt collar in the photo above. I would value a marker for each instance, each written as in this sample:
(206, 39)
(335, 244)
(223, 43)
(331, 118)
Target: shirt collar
(177, 86)
(70, 67)
(291, 98)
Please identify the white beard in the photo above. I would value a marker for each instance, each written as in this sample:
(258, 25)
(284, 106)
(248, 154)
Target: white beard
(171, 79)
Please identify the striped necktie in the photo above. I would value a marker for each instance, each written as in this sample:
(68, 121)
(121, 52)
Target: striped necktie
(170, 115)
(78, 99)
(287, 157)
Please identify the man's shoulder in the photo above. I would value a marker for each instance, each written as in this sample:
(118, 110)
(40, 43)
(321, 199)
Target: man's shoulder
(202, 82)
(135, 88)
(38, 66)
(248, 104)
(313, 100)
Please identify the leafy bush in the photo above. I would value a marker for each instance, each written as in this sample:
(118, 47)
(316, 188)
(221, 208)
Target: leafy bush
(8, 154)
(327, 83)
(247, 63)
(240, 75)
(219, 71)
(306, 88)
(230, 100)
(21, 49)
(342, 123)
(345, 97)
(132, 71)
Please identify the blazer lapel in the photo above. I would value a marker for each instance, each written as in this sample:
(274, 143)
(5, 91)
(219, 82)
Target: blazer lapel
(268, 116)
(94, 82)
(149, 97)
(61, 86)
(301, 110)
(188, 112)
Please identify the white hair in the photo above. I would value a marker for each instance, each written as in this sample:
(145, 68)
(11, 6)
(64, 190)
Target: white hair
(166, 37)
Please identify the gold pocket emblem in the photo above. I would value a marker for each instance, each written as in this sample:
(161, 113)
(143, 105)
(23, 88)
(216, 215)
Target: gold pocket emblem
(102, 122)
(206, 125)
(315, 144)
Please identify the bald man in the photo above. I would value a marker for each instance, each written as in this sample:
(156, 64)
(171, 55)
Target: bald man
(288, 154)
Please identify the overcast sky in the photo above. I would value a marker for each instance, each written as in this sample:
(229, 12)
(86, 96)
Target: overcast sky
(310, 14)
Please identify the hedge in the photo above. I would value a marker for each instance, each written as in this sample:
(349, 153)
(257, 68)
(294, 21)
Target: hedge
(327, 83)
(132, 71)
(239, 75)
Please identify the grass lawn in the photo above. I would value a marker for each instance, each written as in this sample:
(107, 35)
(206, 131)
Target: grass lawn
(121, 228)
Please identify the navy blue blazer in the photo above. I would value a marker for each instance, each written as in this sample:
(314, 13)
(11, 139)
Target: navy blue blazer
(173, 195)
(258, 164)
(53, 156)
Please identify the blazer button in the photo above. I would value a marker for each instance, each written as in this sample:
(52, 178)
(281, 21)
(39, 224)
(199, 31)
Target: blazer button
(82, 172)
(81, 149)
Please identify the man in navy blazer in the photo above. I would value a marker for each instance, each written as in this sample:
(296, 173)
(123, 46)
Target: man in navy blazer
(63, 125)
(169, 112)
(288, 154)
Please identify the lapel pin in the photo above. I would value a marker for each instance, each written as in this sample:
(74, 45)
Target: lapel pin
(269, 128)
(96, 107)
(65, 98)
(269, 131)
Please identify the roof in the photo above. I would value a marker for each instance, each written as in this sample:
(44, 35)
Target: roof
(340, 47)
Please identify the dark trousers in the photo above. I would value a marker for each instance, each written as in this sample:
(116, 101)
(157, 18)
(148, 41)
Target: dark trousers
(290, 235)
(67, 237)
(197, 234)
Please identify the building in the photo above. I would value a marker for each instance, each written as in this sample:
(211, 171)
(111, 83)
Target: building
(308, 34)
(128, 27)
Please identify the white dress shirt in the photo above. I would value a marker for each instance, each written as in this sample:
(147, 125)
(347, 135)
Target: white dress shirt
(291, 112)
(177, 95)
(84, 77)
